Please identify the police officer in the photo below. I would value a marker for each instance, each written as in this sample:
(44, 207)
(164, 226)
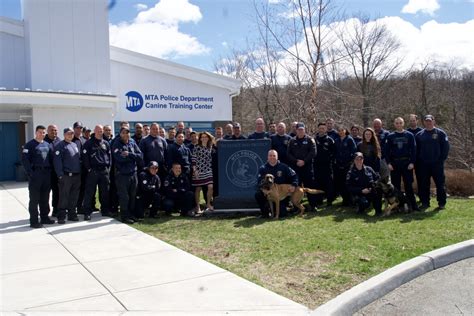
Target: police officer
(37, 160)
(180, 153)
(178, 194)
(381, 134)
(171, 135)
(127, 157)
(413, 125)
(272, 129)
(53, 139)
(236, 132)
(79, 140)
(155, 148)
(323, 164)
(148, 191)
(331, 131)
(283, 175)
(228, 131)
(361, 184)
(138, 135)
(108, 134)
(97, 159)
(280, 142)
(67, 164)
(401, 156)
(259, 130)
(345, 150)
(355, 133)
(433, 148)
(300, 154)
(293, 129)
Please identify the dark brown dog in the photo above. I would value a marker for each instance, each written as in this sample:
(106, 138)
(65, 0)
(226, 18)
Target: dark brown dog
(394, 199)
(278, 192)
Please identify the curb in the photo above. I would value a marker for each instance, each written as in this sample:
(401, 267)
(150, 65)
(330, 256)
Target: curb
(378, 286)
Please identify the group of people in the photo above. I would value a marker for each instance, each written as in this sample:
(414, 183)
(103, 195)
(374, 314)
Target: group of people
(164, 170)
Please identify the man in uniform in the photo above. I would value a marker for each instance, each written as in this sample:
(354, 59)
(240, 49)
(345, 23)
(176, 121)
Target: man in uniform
(108, 134)
(280, 142)
(97, 159)
(300, 154)
(53, 139)
(259, 130)
(433, 148)
(413, 125)
(171, 135)
(219, 133)
(283, 175)
(400, 157)
(146, 130)
(293, 129)
(331, 131)
(180, 127)
(323, 163)
(80, 140)
(236, 132)
(228, 131)
(37, 161)
(155, 148)
(272, 129)
(148, 191)
(178, 194)
(127, 157)
(355, 133)
(67, 164)
(137, 137)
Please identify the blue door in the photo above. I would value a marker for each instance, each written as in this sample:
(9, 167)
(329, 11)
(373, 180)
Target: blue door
(8, 150)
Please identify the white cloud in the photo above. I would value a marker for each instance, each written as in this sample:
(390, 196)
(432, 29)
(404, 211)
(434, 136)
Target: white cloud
(225, 44)
(424, 6)
(156, 31)
(140, 6)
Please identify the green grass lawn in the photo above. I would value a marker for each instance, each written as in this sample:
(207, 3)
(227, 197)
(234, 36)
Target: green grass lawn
(313, 258)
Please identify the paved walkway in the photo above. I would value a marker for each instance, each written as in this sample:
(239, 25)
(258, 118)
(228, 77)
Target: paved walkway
(105, 266)
(445, 291)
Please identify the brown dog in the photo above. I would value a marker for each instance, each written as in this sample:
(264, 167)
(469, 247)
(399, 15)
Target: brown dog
(278, 192)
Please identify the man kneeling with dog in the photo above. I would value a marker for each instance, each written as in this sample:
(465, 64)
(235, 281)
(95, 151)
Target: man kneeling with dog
(282, 175)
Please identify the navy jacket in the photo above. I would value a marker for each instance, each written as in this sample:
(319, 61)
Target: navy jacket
(370, 158)
(54, 142)
(96, 154)
(382, 137)
(36, 155)
(148, 183)
(400, 148)
(126, 165)
(67, 158)
(262, 135)
(280, 144)
(432, 146)
(345, 150)
(282, 173)
(154, 149)
(301, 148)
(180, 184)
(414, 131)
(180, 154)
(326, 150)
(333, 134)
(357, 180)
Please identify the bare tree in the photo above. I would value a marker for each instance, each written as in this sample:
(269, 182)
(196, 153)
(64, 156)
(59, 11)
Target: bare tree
(370, 48)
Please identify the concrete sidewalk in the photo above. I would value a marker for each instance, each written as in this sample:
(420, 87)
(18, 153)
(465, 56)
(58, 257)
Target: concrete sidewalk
(104, 266)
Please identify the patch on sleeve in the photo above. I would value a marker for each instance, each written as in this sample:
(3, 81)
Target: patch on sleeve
(166, 183)
(25, 150)
(144, 181)
(57, 152)
(85, 151)
(116, 149)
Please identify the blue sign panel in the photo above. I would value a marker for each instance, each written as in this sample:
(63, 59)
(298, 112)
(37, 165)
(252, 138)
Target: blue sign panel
(134, 101)
(238, 163)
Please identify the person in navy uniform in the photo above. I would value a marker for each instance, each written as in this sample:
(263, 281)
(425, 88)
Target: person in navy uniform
(345, 150)
(228, 131)
(323, 164)
(171, 135)
(67, 164)
(283, 175)
(236, 132)
(432, 151)
(155, 148)
(413, 125)
(361, 184)
(272, 128)
(148, 191)
(300, 154)
(97, 159)
(280, 142)
(180, 153)
(37, 160)
(331, 131)
(138, 135)
(178, 193)
(401, 157)
(355, 134)
(80, 140)
(381, 134)
(127, 158)
(259, 130)
(53, 139)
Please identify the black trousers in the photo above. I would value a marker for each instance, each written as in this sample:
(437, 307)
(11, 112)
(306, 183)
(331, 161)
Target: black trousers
(400, 170)
(127, 191)
(101, 179)
(184, 203)
(306, 178)
(113, 196)
(80, 198)
(264, 206)
(144, 200)
(323, 180)
(436, 171)
(54, 192)
(69, 186)
(39, 185)
(363, 201)
(340, 174)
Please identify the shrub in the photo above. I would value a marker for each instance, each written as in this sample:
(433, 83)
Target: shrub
(460, 182)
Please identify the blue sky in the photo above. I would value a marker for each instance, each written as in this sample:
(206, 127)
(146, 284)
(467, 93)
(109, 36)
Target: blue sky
(205, 30)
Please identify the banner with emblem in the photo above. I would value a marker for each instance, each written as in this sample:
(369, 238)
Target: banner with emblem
(238, 164)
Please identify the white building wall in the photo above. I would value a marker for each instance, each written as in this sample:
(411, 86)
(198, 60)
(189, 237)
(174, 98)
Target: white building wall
(67, 45)
(12, 54)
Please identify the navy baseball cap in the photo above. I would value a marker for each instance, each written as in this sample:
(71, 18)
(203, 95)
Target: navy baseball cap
(78, 124)
(125, 129)
(358, 154)
(299, 125)
(67, 130)
(236, 125)
(429, 117)
(152, 164)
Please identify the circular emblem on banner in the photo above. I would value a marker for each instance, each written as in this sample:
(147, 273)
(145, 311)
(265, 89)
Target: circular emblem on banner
(133, 101)
(242, 168)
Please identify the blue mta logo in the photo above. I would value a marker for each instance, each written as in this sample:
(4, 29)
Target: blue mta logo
(134, 101)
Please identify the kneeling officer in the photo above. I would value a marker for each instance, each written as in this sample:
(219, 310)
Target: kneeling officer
(178, 194)
(148, 191)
